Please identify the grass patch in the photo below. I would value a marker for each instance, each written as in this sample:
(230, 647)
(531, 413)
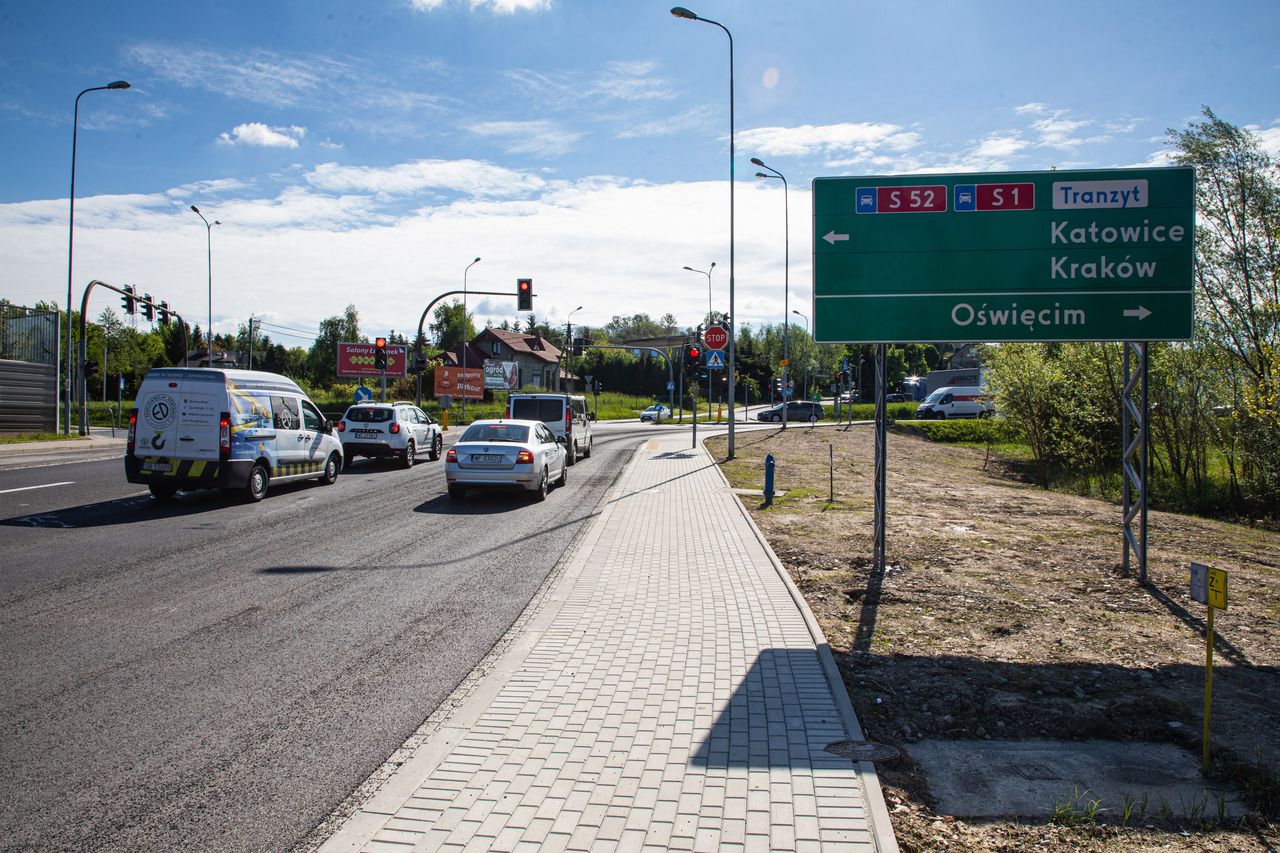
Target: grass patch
(37, 436)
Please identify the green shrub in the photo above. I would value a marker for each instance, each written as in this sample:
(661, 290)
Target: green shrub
(972, 431)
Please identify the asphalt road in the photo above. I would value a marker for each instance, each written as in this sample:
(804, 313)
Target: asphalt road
(218, 675)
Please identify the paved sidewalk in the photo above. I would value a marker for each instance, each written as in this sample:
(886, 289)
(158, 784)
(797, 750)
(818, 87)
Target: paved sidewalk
(665, 693)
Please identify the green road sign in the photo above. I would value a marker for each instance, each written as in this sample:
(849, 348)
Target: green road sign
(1015, 256)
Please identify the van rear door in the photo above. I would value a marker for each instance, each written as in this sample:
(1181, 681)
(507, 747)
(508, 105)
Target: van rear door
(159, 401)
(204, 399)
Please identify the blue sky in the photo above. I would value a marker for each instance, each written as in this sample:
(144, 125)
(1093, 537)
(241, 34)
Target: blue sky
(366, 152)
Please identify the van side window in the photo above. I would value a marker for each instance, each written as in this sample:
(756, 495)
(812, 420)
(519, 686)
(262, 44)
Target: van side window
(311, 419)
(948, 399)
(284, 411)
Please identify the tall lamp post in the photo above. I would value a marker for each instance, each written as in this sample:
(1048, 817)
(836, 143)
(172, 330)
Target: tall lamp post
(568, 342)
(208, 233)
(71, 227)
(466, 344)
(707, 273)
(786, 272)
(681, 12)
(806, 364)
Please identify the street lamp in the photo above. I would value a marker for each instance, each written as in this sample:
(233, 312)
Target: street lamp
(786, 271)
(71, 226)
(681, 12)
(208, 233)
(568, 342)
(465, 343)
(707, 273)
(806, 363)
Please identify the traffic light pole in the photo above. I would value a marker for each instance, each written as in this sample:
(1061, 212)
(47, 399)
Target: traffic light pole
(82, 385)
(422, 321)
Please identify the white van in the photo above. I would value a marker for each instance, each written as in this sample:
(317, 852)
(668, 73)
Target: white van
(956, 401)
(566, 414)
(202, 428)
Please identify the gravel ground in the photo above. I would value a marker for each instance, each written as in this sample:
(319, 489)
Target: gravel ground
(1004, 612)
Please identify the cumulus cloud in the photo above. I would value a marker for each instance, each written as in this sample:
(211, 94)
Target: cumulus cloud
(1268, 137)
(257, 133)
(471, 177)
(541, 137)
(862, 139)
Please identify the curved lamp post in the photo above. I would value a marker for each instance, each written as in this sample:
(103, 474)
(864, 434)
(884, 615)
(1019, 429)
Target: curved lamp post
(707, 273)
(568, 342)
(466, 344)
(682, 12)
(806, 364)
(71, 227)
(786, 272)
(208, 229)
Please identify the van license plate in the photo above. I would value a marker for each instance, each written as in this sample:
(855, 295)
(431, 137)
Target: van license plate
(157, 467)
(491, 458)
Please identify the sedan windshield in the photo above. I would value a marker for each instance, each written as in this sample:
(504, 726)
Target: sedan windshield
(496, 433)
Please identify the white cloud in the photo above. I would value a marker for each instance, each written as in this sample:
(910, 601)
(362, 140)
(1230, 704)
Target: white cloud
(1034, 108)
(257, 133)
(632, 81)
(501, 7)
(540, 137)
(861, 138)
(691, 119)
(998, 147)
(471, 177)
(211, 187)
(1268, 137)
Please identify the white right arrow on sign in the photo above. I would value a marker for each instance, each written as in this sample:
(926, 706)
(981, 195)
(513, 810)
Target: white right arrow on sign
(1140, 312)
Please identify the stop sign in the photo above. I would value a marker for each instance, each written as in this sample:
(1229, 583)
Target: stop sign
(716, 337)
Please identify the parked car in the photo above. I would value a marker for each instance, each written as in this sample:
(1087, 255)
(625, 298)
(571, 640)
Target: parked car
(800, 411)
(565, 414)
(397, 430)
(506, 454)
(655, 414)
(962, 401)
(205, 428)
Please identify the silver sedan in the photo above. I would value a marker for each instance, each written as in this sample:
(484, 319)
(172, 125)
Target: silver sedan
(506, 454)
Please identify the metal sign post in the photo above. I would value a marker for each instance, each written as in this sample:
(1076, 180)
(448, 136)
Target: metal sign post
(881, 453)
(1135, 446)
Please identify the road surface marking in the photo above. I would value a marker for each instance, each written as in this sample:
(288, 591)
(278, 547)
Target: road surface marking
(28, 488)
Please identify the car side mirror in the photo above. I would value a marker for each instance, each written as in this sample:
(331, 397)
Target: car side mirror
(561, 440)
(591, 416)
(327, 427)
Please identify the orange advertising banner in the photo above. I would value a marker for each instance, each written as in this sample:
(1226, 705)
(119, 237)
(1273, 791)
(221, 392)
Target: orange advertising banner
(460, 382)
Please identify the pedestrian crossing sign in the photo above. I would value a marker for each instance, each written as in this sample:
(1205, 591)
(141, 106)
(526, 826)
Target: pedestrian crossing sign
(715, 359)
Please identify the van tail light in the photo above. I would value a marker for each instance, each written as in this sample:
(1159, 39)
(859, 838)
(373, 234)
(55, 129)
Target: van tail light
(133, 431)
(224, 435)
(395, 427)
(524, 457)
(568, 420)
(451, 456)
(342, 426)
(509, 415)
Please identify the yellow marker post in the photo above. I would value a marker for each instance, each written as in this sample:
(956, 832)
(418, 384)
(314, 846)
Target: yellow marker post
(445, 418)
(1209, 587)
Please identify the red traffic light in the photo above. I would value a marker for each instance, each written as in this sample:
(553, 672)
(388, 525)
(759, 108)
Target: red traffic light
(694, 353)
(379, 342)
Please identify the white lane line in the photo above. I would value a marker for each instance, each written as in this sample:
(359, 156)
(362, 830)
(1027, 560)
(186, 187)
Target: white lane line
(29, 488)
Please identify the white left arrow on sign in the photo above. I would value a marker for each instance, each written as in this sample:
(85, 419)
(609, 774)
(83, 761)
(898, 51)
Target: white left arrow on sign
(832, 237)
(1140, 312)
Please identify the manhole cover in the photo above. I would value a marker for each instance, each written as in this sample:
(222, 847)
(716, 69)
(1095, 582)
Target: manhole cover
(862, 750)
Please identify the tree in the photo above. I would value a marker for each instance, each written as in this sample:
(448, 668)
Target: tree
(638, 327)
(322, 359)
(451, 326)
(1027, 387)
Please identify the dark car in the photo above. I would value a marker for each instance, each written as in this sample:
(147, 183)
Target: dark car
(797, 410)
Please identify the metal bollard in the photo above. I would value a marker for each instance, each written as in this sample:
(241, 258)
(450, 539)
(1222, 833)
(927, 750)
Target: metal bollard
(768, 480)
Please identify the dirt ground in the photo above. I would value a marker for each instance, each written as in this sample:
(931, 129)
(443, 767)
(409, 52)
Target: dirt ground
(1004, 612)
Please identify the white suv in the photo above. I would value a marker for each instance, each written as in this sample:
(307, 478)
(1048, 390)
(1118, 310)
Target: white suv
(399, 430)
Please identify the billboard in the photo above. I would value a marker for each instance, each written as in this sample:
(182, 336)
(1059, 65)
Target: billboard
(356, 360)
(460, 382)
(501, 375)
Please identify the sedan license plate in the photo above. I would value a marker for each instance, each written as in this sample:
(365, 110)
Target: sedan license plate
(490, 458)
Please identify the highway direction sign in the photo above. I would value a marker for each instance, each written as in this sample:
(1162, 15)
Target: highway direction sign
(1025, 256)
(716, 337)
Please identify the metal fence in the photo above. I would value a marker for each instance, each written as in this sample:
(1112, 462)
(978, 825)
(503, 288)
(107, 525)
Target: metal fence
(28, 334)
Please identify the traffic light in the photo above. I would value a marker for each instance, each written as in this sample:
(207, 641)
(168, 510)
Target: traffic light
(693, 358)
(127, 300)
(380, 353)
(579, 344)
(524, 294)
(88, 370)
(148, 312)
(163, 314)
(419, 362)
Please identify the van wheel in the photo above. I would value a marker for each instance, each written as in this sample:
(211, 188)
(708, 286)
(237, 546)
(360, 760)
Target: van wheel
(436, 446)
(586, 454)
(258, 480)
(984, 414)
(407, 458)
(573, 453)
(331, 468)
(163, 494)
